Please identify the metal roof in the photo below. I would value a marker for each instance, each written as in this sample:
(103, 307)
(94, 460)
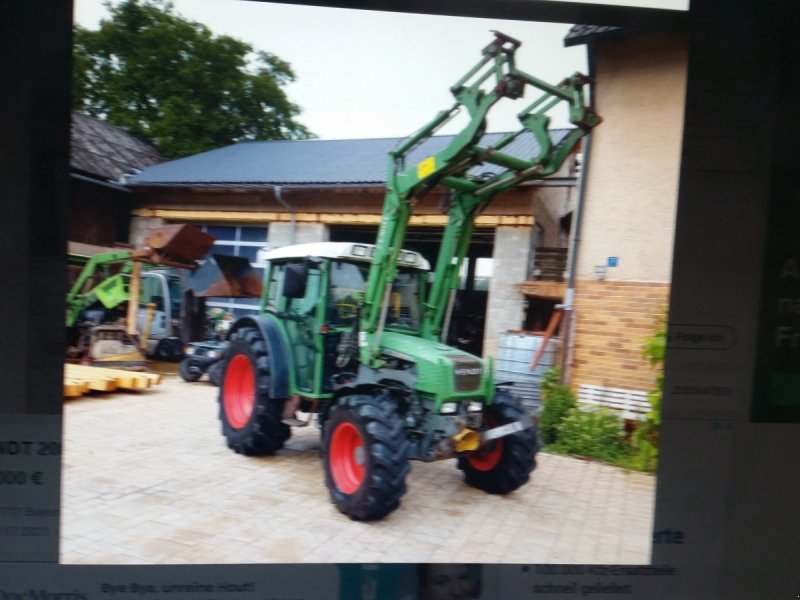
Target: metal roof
(582, 34)
(309, 162)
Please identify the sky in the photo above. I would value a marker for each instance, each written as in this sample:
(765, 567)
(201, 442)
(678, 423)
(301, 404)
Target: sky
(362, 74)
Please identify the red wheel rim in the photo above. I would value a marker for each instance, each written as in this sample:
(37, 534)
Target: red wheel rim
(347, 458)
(487, 459)
(239, 391)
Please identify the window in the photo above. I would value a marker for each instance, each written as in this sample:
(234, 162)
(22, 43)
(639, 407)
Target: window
(404, 302)
(347, 281)
(484, 268)
(481, 278)
(238, 240)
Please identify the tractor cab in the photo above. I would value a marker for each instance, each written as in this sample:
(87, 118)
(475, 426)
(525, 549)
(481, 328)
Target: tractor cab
(318, 290)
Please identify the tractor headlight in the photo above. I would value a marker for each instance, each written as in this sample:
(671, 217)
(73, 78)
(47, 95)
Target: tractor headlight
(475, 407)
(190, 350)
(448, 408)
(212, 353)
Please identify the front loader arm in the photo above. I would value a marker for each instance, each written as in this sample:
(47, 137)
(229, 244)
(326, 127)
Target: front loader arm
(493, 78)
(78, 297)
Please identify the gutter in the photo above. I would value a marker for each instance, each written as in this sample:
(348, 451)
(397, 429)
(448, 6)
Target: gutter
(279, 196)
(576, 229)
(549, 182)
(108, 184)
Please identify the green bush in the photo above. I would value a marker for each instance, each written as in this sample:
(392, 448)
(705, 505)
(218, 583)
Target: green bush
(597, 433)
(557, 401)
(644, 440)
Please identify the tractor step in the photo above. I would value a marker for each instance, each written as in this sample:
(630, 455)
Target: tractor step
(504, 430)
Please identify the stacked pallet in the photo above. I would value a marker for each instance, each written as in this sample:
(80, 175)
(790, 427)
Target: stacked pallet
(80, 379)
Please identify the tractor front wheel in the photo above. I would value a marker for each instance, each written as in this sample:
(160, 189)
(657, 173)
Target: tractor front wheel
(215, 373)
(251, 419)
(505, 463)
(188, 371)
(365, 456)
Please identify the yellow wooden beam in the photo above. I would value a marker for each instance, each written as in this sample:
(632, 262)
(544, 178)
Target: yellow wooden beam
(78, 379)
(239, 216)
(552, 290)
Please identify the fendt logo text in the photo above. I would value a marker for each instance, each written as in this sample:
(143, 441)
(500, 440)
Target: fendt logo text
(475, 371)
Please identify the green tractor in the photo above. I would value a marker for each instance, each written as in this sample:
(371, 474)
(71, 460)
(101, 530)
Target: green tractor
(354, 333)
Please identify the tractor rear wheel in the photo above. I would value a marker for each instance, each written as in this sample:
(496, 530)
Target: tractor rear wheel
(506, 463)
(251, 419)
(365, 456)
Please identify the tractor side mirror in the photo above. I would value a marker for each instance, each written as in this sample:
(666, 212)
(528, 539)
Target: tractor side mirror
(294, 281)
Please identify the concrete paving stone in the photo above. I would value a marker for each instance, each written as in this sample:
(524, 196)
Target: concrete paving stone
(188, 536)
(180, 495)
(536, 538)
(486, 556)
(634, 557)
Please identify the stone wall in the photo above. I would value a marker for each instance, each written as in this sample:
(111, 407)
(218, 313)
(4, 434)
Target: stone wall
(141, 226)
(506, 302)
(285, 234)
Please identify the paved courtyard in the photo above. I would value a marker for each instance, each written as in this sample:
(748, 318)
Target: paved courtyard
(148, 479)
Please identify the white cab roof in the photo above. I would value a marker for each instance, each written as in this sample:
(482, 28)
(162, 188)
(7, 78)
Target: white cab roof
(342, 250)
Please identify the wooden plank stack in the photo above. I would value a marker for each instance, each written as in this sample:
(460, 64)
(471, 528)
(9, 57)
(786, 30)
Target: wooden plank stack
(80, 379)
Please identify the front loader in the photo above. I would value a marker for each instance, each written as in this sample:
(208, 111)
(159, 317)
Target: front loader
(168, 277)
(353, 334)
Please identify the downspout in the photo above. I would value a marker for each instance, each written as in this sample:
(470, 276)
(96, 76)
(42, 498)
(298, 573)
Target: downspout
(292, 211)
(569, 297)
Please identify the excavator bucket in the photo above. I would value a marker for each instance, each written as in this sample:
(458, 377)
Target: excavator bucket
(177, 245)
(226, 276)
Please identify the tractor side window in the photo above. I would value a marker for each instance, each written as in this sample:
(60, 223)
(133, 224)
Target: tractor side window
(403, 307)
(175, 296)
(347, 281)
(308, 303)
(152, 292)
(276, 276)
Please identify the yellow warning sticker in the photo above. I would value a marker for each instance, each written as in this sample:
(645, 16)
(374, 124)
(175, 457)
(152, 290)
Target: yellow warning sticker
(426, 167)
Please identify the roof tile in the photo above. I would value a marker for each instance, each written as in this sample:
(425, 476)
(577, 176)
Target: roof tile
(107, 151)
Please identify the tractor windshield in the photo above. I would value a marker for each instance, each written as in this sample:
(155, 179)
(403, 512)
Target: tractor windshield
(347, 282)
(347, 286)
(404, 302)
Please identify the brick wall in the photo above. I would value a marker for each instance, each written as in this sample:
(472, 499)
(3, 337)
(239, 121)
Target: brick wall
(613, 320)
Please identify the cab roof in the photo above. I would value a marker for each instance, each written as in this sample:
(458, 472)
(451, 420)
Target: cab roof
(342, 250)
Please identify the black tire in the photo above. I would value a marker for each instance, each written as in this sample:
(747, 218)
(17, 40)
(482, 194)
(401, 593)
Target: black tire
(505, 464)
(251, 419)
(365, 456)
(187, 373)
(169, 350)
(215, 373)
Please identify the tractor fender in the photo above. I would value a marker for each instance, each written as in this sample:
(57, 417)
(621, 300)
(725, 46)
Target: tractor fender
(388, 388)
(358, 388)
(276, 351)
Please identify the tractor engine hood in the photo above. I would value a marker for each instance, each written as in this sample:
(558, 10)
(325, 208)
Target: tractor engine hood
(444, 372)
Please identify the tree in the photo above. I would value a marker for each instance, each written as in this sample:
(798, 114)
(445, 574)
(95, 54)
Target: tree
(171, 81)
